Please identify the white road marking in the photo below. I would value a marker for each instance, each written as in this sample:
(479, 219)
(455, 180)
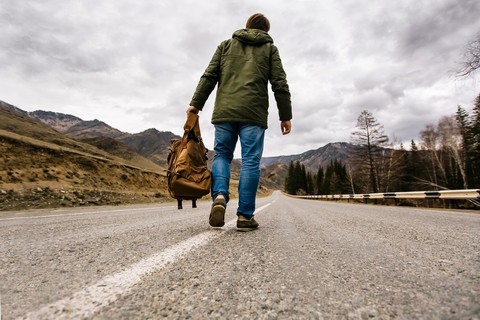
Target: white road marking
(88, 212)
(86, 302)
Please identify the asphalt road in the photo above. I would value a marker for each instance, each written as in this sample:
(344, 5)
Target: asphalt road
(308, 260)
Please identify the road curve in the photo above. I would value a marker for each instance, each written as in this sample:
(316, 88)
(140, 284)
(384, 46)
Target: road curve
(308, 260)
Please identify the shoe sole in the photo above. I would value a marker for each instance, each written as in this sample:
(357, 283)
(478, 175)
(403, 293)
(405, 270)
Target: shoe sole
(246, 229)
(217, 216)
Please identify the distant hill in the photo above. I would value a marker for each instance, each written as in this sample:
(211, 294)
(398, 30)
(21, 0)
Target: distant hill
(41, 167)
(58, 121)
(313, 159)
(273, 176)
(151, 143)
(75, 127)
(19, 122)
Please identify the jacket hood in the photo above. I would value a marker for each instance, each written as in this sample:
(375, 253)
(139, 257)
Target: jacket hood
(253, 37)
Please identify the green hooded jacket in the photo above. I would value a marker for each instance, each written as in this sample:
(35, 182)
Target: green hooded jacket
(242, 66)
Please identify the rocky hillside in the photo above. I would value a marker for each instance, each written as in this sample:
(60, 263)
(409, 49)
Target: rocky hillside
(75, 127)
(151, 144)
(41, 167)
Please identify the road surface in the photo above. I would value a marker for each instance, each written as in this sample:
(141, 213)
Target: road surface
(308, 260)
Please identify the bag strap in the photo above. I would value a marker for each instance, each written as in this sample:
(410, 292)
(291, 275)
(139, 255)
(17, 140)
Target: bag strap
(191, 121)
(192, 124)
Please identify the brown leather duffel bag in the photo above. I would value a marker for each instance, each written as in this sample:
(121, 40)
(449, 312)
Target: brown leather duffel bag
(188, 175)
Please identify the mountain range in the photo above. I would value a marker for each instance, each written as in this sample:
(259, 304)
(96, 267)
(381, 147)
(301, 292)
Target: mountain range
(154, 144)
(151, 143)
(103, 146)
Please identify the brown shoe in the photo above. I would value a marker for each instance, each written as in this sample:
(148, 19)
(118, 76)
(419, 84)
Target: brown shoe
(244, 224)
(217, 214)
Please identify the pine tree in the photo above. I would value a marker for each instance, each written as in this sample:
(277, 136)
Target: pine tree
(297, 180)
(411, 168)
(303, 179)
(290, 179)
(298, 177)
(319, 180)
(310, 183)
(475, 136)
(342, 184)
(327, 180)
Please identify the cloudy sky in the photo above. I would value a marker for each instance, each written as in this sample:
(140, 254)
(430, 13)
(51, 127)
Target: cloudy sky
(135, 64)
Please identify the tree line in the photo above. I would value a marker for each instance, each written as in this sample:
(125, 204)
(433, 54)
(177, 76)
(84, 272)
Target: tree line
(331, 180)
(446, 157)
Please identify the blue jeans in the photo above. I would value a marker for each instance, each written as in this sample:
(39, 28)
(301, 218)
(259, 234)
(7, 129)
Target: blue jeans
(251, 141)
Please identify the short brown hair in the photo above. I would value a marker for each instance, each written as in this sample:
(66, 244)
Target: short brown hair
(258, 21)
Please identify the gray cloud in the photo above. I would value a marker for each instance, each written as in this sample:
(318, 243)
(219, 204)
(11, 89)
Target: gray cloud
(136, 65)
(434, 25)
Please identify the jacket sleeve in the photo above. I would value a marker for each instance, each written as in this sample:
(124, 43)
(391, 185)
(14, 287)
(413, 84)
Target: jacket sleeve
(278, 80)
(208, 80)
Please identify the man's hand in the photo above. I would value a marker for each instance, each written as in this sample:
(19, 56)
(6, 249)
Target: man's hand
(286, 127)
(192, 109)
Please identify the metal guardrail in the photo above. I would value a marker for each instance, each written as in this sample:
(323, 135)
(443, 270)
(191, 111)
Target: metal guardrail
(466, 194)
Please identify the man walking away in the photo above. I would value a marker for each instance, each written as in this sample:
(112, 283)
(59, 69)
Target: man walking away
(242, 66)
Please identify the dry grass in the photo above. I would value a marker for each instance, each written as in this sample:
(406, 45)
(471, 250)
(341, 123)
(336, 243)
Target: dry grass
(34, 157)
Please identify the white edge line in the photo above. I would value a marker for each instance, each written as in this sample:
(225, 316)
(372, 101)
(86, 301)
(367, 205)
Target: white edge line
(84, 213)
(86, 302)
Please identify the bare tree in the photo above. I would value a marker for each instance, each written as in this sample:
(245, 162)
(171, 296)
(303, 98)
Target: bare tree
(429, 142)
(451, 141)
(443, 146)
(393, 166)
(471, 58)
(369, 139)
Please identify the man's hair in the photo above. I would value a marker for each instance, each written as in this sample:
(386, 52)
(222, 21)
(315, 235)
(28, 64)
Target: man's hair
(258, 21)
